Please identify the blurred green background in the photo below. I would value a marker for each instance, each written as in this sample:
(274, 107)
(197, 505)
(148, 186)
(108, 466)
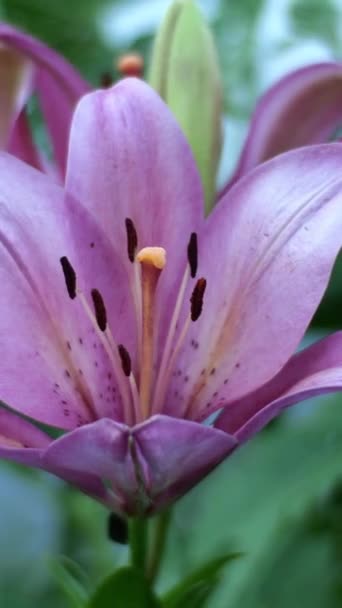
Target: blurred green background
(278, 500)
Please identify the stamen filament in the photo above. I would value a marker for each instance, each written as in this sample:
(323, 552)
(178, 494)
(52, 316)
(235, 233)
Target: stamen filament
(172, 359)
(159, 389)
(135, 398)
(196, 302)
(116, 353)
(127, 369)
(112, 353)
(137, 296)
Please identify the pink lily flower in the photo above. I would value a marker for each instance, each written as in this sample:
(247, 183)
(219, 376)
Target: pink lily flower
(129, 321)
(27, 67)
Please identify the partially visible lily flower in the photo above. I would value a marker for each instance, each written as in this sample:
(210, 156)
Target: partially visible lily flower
(27, 68)
(301, 109)
(130, 322)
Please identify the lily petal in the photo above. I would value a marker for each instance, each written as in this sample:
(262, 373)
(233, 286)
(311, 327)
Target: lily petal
(102, 450)
(267, 252)
(303, 108)
(21, 441)
(128, 158)
(54, 368)
(314, 371)
(178, 454)
(58, 84)
(147, 466)
(16, 432)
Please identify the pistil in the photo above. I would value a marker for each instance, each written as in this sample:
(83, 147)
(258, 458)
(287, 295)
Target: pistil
(152, 260)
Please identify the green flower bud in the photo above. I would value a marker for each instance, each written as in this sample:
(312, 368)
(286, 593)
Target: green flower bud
(184, 70)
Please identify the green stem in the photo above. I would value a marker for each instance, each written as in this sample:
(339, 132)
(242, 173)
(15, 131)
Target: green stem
(161, 525)
(137, 532)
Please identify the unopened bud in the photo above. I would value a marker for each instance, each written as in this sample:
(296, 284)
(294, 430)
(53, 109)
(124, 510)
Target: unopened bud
(184, 70)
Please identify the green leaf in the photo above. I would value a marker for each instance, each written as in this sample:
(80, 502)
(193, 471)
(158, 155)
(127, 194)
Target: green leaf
(126, 588)
(302, 565)
(196, 588)
(272, 480)
(194, 597)
(71, 579)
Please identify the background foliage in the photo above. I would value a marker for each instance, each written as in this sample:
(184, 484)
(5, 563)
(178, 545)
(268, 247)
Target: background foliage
(279, 500)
